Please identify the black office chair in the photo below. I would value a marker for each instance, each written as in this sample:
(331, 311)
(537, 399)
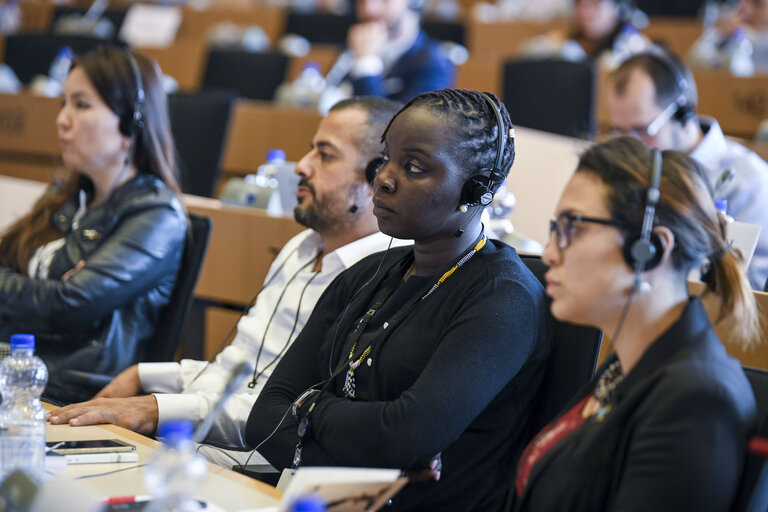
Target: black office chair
(677, 9)
(573, 361)
(552, 95)
(445, 30)
(252, 75)
(199, 123)
(323, 28)
(753, 489)
(170, 327)
(31, 54)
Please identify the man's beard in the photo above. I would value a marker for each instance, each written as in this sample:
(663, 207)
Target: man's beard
(324, 213)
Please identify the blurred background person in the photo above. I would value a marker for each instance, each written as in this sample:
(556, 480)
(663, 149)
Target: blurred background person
(600, 28)
(392, 56)
(653, 96)
(90, 269)
(664, 423)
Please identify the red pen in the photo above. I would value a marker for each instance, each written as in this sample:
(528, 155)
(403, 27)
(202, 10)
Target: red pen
(116, 500)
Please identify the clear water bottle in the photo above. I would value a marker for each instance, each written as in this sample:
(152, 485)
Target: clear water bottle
(722, 209)
(306, 90)
(627, 43)
(281, 175)
(738, 54)
(60, 66)
(10, 17)
(173, 473)
(22, 417)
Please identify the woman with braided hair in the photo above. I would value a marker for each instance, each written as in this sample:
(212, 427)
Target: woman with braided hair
(428, 357)
(663, 426)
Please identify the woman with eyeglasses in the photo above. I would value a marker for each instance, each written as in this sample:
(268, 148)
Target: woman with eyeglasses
(664, 423)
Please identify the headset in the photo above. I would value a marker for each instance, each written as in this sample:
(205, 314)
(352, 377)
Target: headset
(684, 103)
(132, 126)
(479, 189)
(643, 250)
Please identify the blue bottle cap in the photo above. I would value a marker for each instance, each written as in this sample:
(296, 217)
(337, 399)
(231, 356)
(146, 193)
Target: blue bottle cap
(22, 341)
(722, 205)
(275, 154)
(173, 432)
(311, 65)
(309, 503)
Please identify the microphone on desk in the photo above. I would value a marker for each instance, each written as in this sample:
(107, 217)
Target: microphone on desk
(236, 380)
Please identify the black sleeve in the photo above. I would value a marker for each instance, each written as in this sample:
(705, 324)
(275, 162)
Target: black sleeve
(482, 348)
(686, 453)
(129, 263)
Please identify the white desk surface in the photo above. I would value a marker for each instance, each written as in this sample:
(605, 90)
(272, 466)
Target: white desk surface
(224, 488)
(16, 198)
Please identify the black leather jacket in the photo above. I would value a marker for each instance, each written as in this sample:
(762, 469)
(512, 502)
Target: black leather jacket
(102, 317)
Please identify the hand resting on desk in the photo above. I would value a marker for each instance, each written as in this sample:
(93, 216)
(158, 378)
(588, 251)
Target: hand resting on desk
(117, 404)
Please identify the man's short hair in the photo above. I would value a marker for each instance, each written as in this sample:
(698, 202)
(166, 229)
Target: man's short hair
(379, 111)
(670, 76)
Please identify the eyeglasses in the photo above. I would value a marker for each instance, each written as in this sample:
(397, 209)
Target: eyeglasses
(562, 227)
(653, 128)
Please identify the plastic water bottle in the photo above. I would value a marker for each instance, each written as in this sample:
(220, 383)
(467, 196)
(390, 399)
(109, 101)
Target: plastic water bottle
(306, 90)
(738, 54)
(722, 209)
(173, 473)
(280, 174)
(60, 66)
(628, 42)
(10, 17)
(22, 417)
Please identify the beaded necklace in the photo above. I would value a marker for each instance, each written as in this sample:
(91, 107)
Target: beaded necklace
(349, 381)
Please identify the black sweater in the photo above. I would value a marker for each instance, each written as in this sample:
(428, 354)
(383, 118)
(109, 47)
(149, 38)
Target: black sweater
(457, 375)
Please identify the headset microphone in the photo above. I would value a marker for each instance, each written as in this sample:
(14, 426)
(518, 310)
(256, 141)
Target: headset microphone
(353, 209)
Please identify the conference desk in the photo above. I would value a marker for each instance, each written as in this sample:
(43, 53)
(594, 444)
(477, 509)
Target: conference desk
(224, 488)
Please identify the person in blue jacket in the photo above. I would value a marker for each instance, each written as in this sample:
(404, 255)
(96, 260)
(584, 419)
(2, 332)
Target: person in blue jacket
(393, 57)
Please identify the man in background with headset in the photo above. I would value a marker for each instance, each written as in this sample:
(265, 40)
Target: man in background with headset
(653, 96)
(392, 56)
(335, 203)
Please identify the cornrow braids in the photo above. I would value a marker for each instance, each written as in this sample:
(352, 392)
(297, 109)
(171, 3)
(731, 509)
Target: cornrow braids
(477, 137)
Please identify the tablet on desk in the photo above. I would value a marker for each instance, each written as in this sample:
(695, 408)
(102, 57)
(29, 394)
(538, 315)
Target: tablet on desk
(90, 446)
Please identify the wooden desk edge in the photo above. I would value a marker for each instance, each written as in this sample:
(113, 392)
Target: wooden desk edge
(212, 468)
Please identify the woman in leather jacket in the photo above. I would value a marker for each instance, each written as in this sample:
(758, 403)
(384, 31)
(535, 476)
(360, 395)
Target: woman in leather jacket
(90, 269)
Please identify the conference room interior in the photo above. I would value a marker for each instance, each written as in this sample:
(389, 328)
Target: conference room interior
(224, 120)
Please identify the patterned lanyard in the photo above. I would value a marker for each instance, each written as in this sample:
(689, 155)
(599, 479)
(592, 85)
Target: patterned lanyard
(606, 384)
(349, 381)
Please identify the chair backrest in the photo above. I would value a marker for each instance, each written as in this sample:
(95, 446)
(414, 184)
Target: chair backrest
(199, 123)
(171, 325)
(323, 28)
(753, 488)
(252, 75)
(572, 363)
(552, 95)
(31, 54)
(445, 30)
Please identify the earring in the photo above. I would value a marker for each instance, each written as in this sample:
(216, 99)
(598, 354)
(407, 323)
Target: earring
(463, 208)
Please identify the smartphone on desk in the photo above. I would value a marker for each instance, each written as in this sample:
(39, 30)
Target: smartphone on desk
(90, 446)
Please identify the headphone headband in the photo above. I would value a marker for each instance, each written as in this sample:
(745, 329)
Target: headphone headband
(501, 145)
(644, 252)
(137, 117)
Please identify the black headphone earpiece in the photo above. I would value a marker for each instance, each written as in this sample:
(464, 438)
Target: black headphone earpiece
(643, 250)
(478, 190)
(685, 103)
(132, 126)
